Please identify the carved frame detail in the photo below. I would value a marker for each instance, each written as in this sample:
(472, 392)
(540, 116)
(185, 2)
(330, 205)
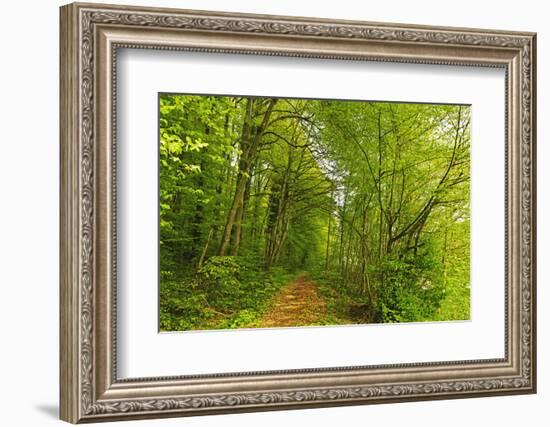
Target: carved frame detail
(87, 397)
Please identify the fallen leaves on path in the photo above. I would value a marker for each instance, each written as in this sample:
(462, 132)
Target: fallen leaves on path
(296, 304)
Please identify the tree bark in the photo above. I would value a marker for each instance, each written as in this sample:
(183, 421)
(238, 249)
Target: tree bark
(250, 142)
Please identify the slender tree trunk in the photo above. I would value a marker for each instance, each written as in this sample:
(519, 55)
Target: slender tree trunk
(342, 234)
(205, 249)
(237, 227)
(444, 258)
(241, 177)
(237, 198)
(350, 245)
(196, 229)
(277, 228)
(329, 231)
(379, 188)
(250, 142)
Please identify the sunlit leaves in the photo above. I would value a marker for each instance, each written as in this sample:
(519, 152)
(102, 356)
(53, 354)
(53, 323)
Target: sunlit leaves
(372, 197)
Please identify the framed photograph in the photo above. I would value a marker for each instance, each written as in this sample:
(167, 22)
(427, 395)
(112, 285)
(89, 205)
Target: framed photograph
(266, 212)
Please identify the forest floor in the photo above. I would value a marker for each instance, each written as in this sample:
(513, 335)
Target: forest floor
(297, 304)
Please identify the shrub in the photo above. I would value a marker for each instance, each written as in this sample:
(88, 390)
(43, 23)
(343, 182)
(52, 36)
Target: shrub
(409, 289)
(219, 279)
(181, 305)
(226, 292)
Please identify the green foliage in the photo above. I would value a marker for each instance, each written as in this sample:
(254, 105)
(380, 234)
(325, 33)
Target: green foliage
(226, 292)
(219, 278)
(182, 305)
(409, 290)
(339, 298)
(370, 198)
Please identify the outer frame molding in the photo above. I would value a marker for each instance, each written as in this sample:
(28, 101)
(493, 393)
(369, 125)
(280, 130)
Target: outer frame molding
(90, 36)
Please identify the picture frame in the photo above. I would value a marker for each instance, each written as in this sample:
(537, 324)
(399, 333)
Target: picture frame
(91, 35)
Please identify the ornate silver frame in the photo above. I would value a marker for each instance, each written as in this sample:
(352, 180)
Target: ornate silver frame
(90, 36)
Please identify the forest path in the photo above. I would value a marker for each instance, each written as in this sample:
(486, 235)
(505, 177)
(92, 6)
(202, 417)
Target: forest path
(296, 304)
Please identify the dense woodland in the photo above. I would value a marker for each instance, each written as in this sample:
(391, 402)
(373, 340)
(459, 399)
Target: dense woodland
(343, 211)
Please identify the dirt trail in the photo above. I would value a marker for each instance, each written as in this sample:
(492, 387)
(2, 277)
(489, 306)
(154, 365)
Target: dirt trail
(296, 304)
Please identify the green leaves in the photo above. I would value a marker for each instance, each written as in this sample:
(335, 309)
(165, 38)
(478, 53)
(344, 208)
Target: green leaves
(371, 196)
(195, 145)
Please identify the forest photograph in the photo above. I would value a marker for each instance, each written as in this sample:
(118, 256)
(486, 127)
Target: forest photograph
(287, 212)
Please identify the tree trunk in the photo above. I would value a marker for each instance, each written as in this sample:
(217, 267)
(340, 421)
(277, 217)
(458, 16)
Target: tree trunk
(250, 142)
(327, 254)
(205, 249)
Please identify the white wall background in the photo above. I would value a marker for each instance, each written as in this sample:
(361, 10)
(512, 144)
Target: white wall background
(29, 170)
